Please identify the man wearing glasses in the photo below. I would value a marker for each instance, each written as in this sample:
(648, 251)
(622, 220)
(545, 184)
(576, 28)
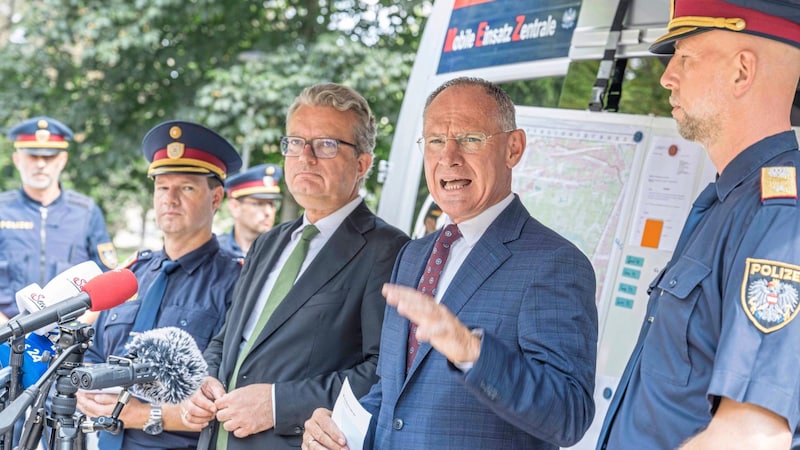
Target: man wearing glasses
(252, 202)
(491, 343)
(307, 310)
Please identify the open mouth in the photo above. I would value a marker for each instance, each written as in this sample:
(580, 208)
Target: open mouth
(453, 185)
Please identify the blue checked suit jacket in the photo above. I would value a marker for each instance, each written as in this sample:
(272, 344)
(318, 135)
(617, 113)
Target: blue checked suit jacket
(533, 294)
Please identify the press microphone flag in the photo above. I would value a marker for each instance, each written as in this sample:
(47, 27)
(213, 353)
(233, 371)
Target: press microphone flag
(165, 366)
(100, 293)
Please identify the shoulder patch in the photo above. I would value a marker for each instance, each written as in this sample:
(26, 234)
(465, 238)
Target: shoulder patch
(108, 254)
(770, 293)
(778, 182)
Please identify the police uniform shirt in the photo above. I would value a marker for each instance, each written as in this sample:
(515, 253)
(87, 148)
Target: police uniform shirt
(74, 231)
(228, 242)
(196, 299)
(723, 311)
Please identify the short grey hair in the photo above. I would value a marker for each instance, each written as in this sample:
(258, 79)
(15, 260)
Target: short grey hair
(507, 118)
(344, 99)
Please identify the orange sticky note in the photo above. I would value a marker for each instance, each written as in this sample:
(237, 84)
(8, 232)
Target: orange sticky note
(651, 235)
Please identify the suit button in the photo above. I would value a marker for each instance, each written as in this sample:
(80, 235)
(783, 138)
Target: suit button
(298, 430)
(397, 424)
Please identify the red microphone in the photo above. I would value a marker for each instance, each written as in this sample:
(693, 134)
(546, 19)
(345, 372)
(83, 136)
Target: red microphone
(110, 289)
(102, 292)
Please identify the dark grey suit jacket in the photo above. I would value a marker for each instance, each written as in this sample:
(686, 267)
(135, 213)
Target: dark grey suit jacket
(327, 328)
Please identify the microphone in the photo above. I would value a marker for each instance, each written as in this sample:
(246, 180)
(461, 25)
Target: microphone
(102, 292)
(66, 284)
(165, 366)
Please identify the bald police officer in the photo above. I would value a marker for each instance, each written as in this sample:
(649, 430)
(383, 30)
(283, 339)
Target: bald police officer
(253, 197)
(717, 357)
(45, 229)
(188, 163)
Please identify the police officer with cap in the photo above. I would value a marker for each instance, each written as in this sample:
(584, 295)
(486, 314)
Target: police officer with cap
(252, 198)
(716, 364)
(187, 284)
(44, 228)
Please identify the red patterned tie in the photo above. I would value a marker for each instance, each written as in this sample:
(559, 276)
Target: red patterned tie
(430, 279)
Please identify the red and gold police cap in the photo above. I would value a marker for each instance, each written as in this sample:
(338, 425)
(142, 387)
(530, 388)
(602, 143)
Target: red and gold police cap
(41, 136)
(258, 181)
(774, 19)
(186, 147)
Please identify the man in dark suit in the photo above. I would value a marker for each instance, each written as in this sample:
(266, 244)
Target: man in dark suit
(270, 371)
(503, 355)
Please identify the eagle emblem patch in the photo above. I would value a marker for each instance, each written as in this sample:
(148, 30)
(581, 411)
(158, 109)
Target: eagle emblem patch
(108, 254)
(770, 293)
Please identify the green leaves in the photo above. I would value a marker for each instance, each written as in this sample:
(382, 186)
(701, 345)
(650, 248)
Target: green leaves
(112, 69)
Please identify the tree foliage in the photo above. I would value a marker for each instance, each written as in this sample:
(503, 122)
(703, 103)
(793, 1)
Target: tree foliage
(112, 69)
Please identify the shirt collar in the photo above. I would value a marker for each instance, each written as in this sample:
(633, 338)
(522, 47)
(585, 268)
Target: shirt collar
(192, 260)
(472, 229)
(752, 159)
(328, 224)
(30, 199)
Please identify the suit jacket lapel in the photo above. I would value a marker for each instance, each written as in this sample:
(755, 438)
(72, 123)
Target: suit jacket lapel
(340, 249)
(254, 282)
(483, 260)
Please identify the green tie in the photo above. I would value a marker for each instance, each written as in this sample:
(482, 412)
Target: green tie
(283, 283)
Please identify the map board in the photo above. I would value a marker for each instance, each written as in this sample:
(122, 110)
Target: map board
(619, 187)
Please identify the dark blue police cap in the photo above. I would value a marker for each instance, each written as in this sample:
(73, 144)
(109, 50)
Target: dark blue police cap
(773, 19)
(258, 181)
(41, 136)
(185, 147)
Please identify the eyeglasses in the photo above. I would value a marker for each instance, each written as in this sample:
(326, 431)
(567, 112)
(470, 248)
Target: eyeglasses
(469, 142)
(322, 147)
(255, 204)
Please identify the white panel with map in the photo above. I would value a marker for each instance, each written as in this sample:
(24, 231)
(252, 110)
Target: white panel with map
(619, 187)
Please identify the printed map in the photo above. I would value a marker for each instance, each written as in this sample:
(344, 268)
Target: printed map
(572, 178)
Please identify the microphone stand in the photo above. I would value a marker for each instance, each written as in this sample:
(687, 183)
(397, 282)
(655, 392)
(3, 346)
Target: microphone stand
(66, 421)
(34, 426)
(17, 344)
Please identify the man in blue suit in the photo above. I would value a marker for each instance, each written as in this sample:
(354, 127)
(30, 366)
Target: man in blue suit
(507, 337)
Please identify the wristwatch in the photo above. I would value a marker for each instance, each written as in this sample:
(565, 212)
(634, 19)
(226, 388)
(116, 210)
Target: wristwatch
(154, 424)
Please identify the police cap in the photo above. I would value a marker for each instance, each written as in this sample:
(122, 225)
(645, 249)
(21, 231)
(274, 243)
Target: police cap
(773, 19)
(185, 147)
(41, 136)
(258, 181)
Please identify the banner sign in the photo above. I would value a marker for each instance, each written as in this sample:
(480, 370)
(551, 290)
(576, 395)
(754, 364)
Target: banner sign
(485, 33)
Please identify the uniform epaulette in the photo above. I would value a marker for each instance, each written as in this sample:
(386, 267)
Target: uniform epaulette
(779, 183)
(141, 255)
(8, 196)
(79, 199)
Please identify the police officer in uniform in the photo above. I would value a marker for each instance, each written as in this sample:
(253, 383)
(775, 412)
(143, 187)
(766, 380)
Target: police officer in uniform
(716, 365)
(188, 164)
(45, 229)
(253, 197)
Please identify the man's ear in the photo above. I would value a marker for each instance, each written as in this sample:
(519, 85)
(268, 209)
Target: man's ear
(218, 193)
(746, 69)
(517, 141)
